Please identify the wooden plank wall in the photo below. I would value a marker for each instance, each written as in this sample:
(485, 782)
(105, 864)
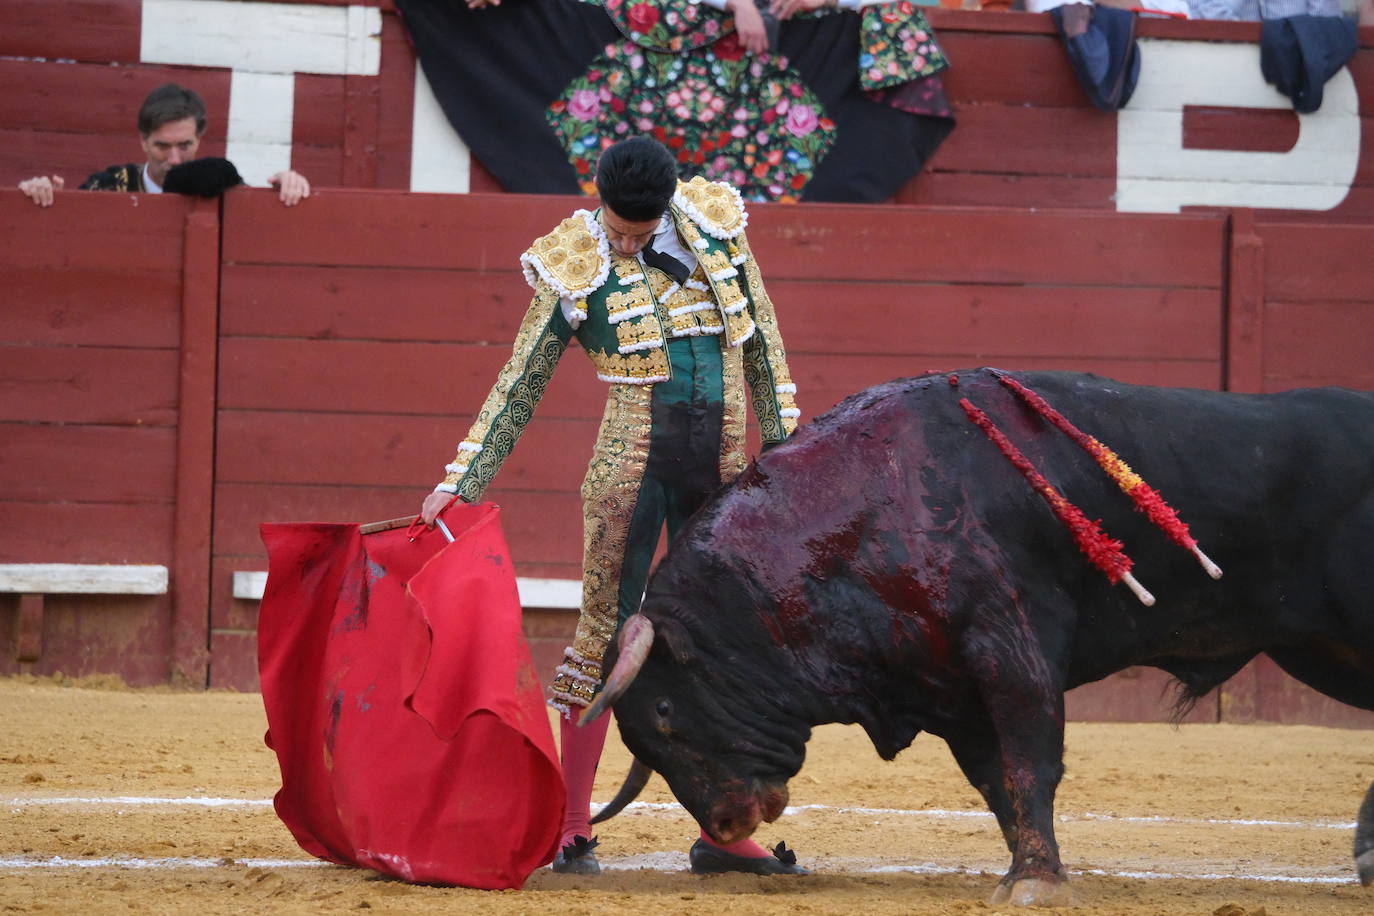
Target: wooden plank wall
(357, 334)
(90, 362)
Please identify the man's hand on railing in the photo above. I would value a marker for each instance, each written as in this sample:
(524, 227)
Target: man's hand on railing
(42, 189)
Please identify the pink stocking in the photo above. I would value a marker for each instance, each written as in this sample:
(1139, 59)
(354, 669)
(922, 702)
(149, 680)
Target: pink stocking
(746, 847)
(581, 748)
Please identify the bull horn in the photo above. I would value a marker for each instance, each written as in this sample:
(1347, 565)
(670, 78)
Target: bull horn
(636, 637)
(635, 781)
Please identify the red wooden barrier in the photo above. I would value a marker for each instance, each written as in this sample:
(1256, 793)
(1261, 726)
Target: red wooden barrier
(89, 380)
(357, 334)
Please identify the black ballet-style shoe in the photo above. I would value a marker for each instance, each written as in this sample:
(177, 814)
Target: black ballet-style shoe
(710, 860)
(577, 858)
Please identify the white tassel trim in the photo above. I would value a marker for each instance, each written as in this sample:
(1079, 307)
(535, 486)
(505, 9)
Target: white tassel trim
(698, 331)
(669, 292)
(789, 412)
(739, 259)
(642, 345)
(573, 674)
(626, 380)
(634, 278)
(700, 218)
(447, 488)
(734, 308)
(455, 468)
(574, 315)
(785, 389)
(530, 262)
(630, 313)
(466, 446)
(724, 274)
(747, 334)
(687, 309)
(698, 286)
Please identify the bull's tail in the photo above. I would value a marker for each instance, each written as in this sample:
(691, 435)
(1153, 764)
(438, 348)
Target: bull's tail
(634, 784)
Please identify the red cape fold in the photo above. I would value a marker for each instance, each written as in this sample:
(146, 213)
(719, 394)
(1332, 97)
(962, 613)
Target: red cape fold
(403, 704)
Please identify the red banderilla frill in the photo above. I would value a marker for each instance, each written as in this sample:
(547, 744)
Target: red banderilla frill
(1104, 552)
(1146, 498)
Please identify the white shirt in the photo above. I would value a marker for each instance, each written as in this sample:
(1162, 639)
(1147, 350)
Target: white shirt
(150, 186)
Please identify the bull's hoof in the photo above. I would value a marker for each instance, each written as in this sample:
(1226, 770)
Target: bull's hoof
(709, 860)
(1033, 892)
(1364, 867)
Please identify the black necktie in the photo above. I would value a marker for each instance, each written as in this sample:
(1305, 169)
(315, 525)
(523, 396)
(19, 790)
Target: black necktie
(665, 262)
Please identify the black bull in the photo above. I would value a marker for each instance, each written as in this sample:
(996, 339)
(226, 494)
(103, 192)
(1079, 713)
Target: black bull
(888, 565)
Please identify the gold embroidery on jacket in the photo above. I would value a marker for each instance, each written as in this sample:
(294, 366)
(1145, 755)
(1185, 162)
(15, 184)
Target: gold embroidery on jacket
(732, 425)
(570, 254)
(634, 368)
(765, 365)
(639, 333)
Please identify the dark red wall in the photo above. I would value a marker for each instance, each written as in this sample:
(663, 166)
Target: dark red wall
(158, 401)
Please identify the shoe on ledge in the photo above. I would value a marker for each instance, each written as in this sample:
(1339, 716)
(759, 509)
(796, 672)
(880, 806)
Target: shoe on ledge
(577, 858)
(710, 860)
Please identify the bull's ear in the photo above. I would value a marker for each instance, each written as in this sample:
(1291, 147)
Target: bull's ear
(675, 637)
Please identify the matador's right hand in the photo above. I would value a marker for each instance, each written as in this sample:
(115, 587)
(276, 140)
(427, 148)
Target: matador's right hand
(435, 503)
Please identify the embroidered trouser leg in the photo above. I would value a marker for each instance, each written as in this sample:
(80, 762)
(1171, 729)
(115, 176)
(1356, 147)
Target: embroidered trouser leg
(660, 452)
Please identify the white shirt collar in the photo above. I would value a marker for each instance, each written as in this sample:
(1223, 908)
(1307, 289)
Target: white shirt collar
(150, 186)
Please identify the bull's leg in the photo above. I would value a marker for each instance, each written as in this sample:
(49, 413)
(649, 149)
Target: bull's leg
(1342, 674)
(978, 756)
(1364, 839)
(1026, 711)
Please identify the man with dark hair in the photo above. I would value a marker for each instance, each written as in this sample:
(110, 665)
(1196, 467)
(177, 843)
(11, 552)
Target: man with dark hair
(171, 122)
(661, 290)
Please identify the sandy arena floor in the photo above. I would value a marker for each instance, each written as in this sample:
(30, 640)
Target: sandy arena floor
(115, 800)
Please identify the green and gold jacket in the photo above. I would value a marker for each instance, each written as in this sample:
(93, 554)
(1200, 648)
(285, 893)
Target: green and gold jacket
(623, 316)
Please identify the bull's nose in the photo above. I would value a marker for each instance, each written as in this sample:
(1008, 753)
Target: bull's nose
(734, 819)
(774, 801)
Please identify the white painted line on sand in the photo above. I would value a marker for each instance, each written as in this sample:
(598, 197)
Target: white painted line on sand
(674, 807)
(670, 861)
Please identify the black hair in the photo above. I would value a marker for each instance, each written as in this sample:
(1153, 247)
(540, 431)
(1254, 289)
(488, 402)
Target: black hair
(636, 178)
(170, 102)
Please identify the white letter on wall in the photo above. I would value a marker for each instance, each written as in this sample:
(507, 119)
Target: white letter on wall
(265, 45)
(1155, 174)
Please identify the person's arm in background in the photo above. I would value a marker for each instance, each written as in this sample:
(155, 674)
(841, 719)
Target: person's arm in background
(753, 37)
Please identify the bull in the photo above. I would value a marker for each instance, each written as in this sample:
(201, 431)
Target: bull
(889, 566)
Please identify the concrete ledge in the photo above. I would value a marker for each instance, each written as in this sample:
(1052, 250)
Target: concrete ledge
(82, 579)
(547, 593)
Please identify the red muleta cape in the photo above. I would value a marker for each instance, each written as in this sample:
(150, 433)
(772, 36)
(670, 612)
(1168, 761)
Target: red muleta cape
(403, 704)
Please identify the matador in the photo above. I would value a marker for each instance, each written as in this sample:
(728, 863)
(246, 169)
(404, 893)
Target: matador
(660, 289)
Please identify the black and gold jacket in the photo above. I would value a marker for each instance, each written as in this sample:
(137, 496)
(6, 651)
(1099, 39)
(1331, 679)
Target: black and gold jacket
(116, 178)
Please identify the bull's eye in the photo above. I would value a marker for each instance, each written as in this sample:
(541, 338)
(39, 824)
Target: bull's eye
(664, 708)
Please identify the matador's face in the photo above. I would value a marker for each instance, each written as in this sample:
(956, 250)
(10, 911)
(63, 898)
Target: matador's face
(627, 237)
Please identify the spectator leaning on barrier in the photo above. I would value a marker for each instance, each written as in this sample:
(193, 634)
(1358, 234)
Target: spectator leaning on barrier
(171, 122)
